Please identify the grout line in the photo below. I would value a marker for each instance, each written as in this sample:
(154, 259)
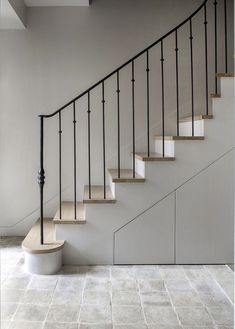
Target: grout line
(220, 287)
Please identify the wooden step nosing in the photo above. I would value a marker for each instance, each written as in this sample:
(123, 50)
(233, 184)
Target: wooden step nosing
(99, 201)
(225, 75)
(129, 180)
(153, 158)
(69, 221)
(31, 243)
(196, 118)
(180, 138)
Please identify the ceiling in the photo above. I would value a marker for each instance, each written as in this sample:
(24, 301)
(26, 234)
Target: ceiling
(51, 3)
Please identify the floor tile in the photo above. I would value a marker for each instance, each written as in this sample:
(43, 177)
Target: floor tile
(205, 285)
(124, 272)
(8, 310)
(26, 325)
(16, 283)
(67, 297)
(159, 326)
(28, 312)
(216, 299)
(65, 313)
(96, 326)
(130, 326)
(96, 284)
(96, 297)
(172, 274)
(124, 285)
(70, 284)
(41, 282)
(156, 298)
(33, 296)
(186, 298)
(194, 315)
(222, 316)
(127, 315)
(151, 285)
(194, 274)
(99, 272)
(147, 273)
(60, 325)
(11, 295)
(95, 314)
(178, 285)
(160, 315)
(220, 272)
(73, 271)
(125, 298)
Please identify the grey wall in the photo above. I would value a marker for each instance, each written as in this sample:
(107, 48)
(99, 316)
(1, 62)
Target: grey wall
(62, 52)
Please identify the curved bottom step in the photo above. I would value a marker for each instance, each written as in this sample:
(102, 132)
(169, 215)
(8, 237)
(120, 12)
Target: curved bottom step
(42, 258)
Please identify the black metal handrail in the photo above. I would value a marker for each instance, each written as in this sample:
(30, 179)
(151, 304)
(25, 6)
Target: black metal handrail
(116, 72)
(125, 64)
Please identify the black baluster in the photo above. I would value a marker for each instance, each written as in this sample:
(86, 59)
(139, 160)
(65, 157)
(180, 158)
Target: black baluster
(206, 60)
(118, 117)
(216, 47)
(75, 161)
(133, 116)
(225, 36)
(177, 79)
(163, 100)
(89, 144)
(104, 160)
(41, 178)
(147, 71)
(60, 166)
(192, 85)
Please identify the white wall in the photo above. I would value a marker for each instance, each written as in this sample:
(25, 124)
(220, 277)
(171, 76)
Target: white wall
(12, 14)
(62, 52)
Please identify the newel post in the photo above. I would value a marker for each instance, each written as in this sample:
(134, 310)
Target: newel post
(41, 178)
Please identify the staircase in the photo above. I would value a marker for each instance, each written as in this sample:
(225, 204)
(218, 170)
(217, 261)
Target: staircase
(103, 227)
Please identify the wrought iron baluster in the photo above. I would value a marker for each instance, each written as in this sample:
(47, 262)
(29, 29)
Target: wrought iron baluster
(133, 117)
(89, 143)
(147, 71)
(192, 82)
(41, 178)
(177, 78)
(118, 117)
(60, 167)
(216, 47)
(206, 60)
(75, 160)
(163, 100)
(104, 160)
(225, 36)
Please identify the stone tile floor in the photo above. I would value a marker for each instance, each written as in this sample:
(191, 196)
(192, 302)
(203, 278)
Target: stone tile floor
(118, 297)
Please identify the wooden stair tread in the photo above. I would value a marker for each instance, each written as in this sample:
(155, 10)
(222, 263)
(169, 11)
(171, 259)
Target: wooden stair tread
(97, 194)
(153, 157)
(215, 95)
(179, 138)
(225, 75)
(32, 243)
(67, 214)
(126, 176)
(196, 118)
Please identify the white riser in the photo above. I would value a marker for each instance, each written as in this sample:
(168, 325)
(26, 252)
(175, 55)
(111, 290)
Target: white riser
(169, 147)
(185, 128)
(93, 243)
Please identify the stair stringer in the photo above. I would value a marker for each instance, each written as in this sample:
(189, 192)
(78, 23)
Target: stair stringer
(93, 243)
